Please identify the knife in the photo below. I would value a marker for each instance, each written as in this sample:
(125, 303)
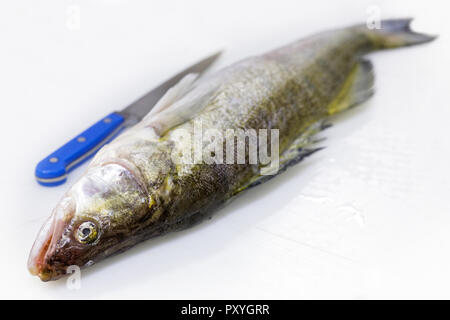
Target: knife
(53, 170)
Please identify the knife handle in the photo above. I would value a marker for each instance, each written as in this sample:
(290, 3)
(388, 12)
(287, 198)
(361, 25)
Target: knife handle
(53, 170)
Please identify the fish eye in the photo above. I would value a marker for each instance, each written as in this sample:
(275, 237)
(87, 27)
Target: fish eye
(86, 232)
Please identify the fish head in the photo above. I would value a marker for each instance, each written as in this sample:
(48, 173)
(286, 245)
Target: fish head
(94, 219)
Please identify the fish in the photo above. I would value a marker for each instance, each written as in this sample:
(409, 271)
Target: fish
(146, 184)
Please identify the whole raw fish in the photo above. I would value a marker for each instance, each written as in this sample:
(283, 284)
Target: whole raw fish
(145, 183)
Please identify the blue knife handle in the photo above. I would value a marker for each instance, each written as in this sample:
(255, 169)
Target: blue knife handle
(52, 170)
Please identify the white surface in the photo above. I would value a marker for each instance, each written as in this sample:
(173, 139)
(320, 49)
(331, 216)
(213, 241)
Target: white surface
(368, 217)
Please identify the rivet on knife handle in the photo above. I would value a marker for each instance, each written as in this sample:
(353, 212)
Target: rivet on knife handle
(52, 170)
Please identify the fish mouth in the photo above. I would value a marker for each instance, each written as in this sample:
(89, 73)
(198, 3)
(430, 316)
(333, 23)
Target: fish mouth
(45, 244)
(36, 259)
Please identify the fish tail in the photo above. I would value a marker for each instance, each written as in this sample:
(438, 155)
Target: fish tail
(395, 33)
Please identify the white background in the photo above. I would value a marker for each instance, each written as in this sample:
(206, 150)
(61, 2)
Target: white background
(368, 217)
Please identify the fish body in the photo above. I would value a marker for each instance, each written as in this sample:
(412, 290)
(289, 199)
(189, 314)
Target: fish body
(136, 188)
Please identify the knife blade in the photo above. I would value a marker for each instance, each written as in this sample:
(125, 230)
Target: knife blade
(53, 169)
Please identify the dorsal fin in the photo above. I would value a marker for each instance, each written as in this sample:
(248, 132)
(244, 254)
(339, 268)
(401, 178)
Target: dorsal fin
(175, 93)
(181, 103)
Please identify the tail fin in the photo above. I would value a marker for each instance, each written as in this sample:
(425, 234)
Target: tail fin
(396, 33)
